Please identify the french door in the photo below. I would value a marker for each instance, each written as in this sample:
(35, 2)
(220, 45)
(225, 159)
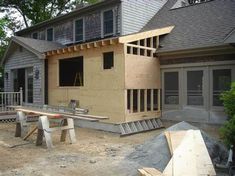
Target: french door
(194, 85)
(23, 78)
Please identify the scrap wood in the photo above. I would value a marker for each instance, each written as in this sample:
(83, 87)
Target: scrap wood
(190, 157)
(30, 133)
(147, 171)
(204, 163)
(174, 138)
(152, 171)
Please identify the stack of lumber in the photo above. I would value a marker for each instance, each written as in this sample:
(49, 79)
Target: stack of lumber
(189, 156)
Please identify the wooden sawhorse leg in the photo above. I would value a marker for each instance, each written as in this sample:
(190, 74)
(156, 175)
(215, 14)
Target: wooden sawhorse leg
(44, 129)
(68, 126)
(21, 124)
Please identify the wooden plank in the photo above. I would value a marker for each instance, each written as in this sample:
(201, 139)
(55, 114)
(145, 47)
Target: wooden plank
(60, 114)
(204, 163)
(146, 34)
(183, 162)
(174, 138)
(39, 112)
(140, 47)
(152, 171)
(191, 156)
(143, 172)
(168, 139)
(30, 133)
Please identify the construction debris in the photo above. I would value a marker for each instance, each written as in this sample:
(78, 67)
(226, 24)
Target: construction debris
(155, 153)
(189, 156)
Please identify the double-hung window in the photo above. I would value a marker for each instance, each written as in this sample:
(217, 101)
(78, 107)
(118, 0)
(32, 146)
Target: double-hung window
(108, 23)
(35, 35)
(50, 34)
(79, 30)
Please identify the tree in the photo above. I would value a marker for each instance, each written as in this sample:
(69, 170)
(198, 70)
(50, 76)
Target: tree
(36, 11)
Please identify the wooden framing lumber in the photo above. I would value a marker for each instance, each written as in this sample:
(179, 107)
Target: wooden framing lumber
(190, 157)
(174, 138)
(30, 133)
(146, 171)
(140, 47)
(146, 34)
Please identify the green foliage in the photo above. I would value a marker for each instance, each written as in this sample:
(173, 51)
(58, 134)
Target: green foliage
(228, 99)
(227, 132)
(36, 11)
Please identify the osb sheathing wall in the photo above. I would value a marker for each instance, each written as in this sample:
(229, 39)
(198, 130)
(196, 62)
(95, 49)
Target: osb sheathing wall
(103, 91)
(141, 72)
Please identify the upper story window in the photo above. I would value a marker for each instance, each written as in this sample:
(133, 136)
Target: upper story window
(108, 62)
(79, 30)
(35, 35)
(50, 34)
(108, 23)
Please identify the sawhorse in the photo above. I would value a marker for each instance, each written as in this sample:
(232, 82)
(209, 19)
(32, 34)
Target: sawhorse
(44, 129)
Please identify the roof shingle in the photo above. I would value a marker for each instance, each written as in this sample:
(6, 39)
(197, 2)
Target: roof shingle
(201, 25)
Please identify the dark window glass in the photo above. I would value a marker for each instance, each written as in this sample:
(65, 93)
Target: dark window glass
(108, 22)
(195, 87)
(35, 35)
(171, 87)
(108, 61)
(50, 34)
(79, 30)
(128, 99)
(221, 82)
(71, 72)
(155, 99)
(135, 100)
(148, 99)
(142, 102)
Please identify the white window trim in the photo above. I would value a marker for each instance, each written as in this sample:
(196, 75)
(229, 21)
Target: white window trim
(74, 31)
(53, 37)
(102, 23)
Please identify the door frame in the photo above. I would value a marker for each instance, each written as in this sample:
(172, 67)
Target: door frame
(205, 87)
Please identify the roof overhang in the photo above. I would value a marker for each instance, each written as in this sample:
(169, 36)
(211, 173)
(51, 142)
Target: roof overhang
(145, 34)
(111, 41)
(200, 51)
(15, 40)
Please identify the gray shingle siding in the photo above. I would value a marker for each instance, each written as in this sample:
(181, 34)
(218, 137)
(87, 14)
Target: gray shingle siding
(24, 59)
(137, 13)
(201, 25)
(64, 30)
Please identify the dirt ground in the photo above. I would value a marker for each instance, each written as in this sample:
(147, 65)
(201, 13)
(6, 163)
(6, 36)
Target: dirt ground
(96, 153)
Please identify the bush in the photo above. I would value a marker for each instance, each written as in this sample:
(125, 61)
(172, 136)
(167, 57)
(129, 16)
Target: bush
(227, 132)
(228, 98)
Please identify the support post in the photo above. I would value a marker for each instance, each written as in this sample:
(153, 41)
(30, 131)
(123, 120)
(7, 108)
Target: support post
(71, 130)
(21, 124)
(21, 96)
(44, 125)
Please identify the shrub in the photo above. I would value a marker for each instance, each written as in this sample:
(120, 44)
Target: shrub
(228, 98)
(227, 132)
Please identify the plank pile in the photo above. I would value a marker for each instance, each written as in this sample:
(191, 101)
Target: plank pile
(189, 156)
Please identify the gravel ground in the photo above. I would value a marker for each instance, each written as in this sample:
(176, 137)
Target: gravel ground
(96, 153)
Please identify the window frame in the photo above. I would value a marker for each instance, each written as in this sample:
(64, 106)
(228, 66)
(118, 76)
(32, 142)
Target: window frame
(58, 73)
(52, 34)
(74, 30)
(105, 69)
(33, 34)
(102, 23)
